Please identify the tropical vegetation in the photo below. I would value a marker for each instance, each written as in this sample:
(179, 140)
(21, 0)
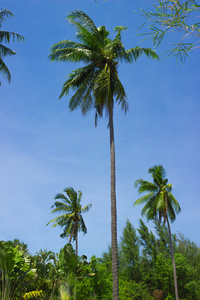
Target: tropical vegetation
(145, 269)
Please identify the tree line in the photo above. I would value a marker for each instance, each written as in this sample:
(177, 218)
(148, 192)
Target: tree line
(144, 261)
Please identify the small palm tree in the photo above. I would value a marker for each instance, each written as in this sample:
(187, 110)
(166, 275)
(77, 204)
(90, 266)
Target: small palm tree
(160, 204)
(97, 86)
(5, 36)
(71, 219)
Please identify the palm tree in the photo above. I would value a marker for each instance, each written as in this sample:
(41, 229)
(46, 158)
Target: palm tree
(160, 204)
(71, 218)
(97, 86)
(5, 36)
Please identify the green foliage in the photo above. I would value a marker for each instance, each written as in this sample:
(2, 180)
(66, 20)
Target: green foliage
(102, 280)
(57, 274)
(189, 249)
(129, 253)
(148, 242)
(16, 271)
(47, 272)
(163, 277)
(131, 290)
(14, 262)
(21, 245)
(68, 259)
(175, 16)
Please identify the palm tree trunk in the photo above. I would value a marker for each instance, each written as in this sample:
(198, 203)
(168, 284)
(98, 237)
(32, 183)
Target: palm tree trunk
(173, 260)
(113, 210)
(77, 240)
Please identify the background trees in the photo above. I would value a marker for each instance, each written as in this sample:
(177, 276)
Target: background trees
(5, 37)
(54, 273)
(129, 253)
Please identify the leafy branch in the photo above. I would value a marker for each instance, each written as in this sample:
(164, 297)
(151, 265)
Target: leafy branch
(174, 16)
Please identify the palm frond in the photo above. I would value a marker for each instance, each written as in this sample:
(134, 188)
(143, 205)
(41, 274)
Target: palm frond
(103, 32)
(145, 186)
(4, 51)
(72, 52)
(4, 13)
(82, 225)
(86, 208)
(71, 193)
(158, 173)
(144, 199)
(60, 196)
(87, 32)
(160, 202)
(61, 207)
(118, 30)
(4, 70)
(134, 54)
(168, 187)
(6, 36)
(78, 80)
(101, 87)
(170, 212)
(68, 45)
(61, 220)
(119, 91)
(149, 210)
(174, 202)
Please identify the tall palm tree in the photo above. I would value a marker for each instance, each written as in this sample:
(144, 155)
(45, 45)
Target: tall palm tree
(5, 36)
(97, 86)
(71, 210)
(160, 204)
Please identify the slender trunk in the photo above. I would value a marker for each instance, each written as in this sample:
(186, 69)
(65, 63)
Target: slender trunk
(173, 260)
(77, 241)
(113, 210)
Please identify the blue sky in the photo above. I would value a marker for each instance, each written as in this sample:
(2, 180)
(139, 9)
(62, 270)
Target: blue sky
(46, 148)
